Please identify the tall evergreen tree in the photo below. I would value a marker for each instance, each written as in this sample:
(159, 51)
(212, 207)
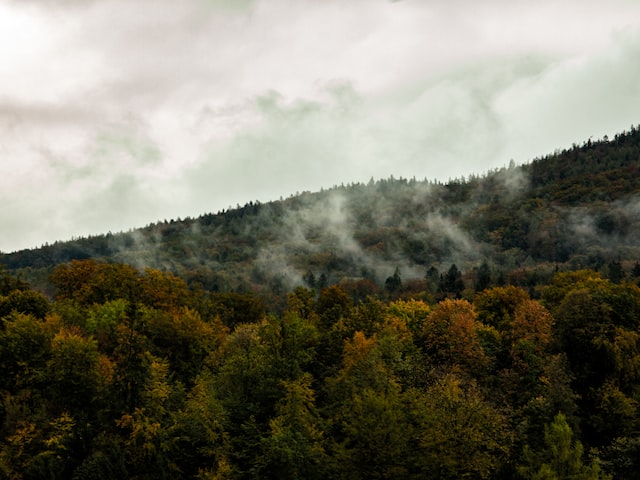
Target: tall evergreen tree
(452, 284)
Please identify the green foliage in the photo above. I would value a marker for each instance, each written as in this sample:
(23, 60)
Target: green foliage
(25, 346)
(622, 458)
(461, 434)
(24, 301)
(393, 283)
(451, 283)
(597, 325)
(412, 313)
(332, 304)
(561, 458)
(373, 435)
(235, 308)
(102, 322)
(201, 442)
(182, 337)
(496, 306)
(43, 450)
(71, 387)
(328, 388)
(294, 445)
(483, 279)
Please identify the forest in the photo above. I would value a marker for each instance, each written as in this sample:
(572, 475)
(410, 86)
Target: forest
(574, 209)
(486, 328)
(132, 374)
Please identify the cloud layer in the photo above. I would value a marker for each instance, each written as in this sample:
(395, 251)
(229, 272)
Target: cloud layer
(114, 114)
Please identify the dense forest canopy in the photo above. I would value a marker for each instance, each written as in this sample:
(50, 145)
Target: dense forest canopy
(132, 374)
(484, 328)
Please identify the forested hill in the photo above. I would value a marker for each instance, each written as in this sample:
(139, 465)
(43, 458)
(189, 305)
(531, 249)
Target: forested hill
(514, 363)
(575, 208)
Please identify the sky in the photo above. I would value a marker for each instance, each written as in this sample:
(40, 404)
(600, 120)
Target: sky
(119, 113)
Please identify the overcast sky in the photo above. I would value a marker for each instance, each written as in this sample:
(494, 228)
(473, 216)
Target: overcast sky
(118, 113)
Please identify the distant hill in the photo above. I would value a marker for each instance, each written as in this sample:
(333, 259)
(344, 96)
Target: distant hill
(575, 208)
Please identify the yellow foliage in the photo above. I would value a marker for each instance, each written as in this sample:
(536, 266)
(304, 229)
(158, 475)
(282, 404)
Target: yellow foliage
(358, 350)
(412, 312)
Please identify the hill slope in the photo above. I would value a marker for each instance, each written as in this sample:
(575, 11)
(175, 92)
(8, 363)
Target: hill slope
(579, 207)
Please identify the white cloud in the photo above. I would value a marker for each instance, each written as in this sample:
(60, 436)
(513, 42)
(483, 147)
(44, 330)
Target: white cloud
(117, 113)
(573, 100)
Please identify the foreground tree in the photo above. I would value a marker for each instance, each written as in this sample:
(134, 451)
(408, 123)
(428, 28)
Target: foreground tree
(450, 336)
(460, 434)
(294, 445)
(561, 458)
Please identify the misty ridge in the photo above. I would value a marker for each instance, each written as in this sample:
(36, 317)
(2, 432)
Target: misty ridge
(575, 208)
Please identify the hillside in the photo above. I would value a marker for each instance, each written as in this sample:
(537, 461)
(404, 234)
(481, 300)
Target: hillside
(576, 208)
(426, 361)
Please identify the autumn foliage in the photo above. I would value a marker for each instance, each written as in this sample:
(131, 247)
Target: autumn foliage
(132, 374)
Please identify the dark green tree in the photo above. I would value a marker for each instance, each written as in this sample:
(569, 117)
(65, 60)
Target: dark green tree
(451, 283)
(432, 278)
(616, 272)
(483, 279)
(393, 284)
(24, 301)
(622, 458)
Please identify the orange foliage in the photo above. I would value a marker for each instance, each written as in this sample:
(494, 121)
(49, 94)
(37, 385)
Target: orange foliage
(450, 334)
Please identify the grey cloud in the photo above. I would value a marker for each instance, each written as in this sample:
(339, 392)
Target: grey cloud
(300, 144)
(574, 99)
(228, 108)
(49, 4)
(138, 148)
(146, 53)
(45, 114)
(443, 129)
(232, 5)
(118, 201)
(105, 183)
